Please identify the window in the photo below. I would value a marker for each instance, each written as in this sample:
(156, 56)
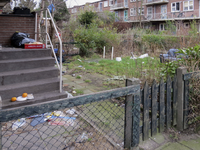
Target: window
(106, 4)
(133, 12)
(110, 2)
(141, 11)
(134, 0)
(177, 26)
(149, 12)
(162, 26)
(75, 10)
(175, 7)
(186, 24)
(188, 5)
(100, 6)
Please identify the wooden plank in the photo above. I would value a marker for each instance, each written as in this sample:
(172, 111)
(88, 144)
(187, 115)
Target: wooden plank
(168, 106)
(26, 111)
(154, 109)
(188, 76)
(128, 116)
(174, 101)
(136, 120)
(146, 112)
(180, 97)
(1, 135)
(186, 104)
(162, 106)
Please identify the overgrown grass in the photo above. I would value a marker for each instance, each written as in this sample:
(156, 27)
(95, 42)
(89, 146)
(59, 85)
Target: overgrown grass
(146, 68)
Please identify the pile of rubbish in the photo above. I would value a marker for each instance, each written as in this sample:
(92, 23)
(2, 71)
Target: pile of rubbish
(53, 118)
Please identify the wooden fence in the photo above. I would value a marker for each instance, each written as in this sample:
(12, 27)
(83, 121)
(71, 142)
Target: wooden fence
(162, 106)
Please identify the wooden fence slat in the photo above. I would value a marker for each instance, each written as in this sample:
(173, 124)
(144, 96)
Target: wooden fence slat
(168, 106)
(136, 120)
(154, 109)
(175, 101)
(162, 106)
(146, 112)
(186, 104)
(128, 127)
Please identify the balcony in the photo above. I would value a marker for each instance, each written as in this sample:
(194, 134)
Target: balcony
(154, 2)
(122, 19)
(182, 15)
(118, 6)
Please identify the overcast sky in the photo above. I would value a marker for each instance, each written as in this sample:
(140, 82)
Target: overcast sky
(71, 3)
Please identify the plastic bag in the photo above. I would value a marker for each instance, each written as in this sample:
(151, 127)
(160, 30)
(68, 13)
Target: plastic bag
(19, 39)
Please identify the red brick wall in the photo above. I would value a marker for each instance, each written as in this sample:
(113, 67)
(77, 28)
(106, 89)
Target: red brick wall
(10, 24)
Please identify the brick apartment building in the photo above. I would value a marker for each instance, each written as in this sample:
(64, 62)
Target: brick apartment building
(151, 13)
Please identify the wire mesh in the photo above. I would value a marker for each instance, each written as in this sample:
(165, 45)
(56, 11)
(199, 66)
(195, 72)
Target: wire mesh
(194, 101)
(95, 126)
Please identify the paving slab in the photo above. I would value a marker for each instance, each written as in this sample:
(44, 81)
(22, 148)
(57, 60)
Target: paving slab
(173, 146)
(28, 140)
(193, 144)
(159, 138)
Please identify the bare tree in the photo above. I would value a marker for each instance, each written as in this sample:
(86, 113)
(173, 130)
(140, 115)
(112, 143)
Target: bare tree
(28, 3)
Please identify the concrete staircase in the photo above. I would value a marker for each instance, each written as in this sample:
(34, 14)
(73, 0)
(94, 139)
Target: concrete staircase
(28, 71)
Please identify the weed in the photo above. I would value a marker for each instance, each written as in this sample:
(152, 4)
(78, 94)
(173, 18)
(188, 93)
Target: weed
(88, 81)
(78, 77)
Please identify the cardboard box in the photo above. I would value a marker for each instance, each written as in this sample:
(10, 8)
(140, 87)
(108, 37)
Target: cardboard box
(34, 46)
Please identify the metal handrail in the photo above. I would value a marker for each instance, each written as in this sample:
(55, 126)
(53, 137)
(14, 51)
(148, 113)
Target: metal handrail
(47, 10)
(47, 36)
(54, 54)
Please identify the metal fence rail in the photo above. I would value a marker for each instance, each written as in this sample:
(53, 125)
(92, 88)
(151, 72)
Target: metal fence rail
(84, 122)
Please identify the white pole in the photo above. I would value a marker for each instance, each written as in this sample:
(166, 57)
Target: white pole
(36, 27)
(112, 53)
(46, 28)
(60, 41)
(104, 51)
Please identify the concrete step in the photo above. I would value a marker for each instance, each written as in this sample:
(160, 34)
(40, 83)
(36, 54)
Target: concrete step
(35, 87)
(38, 98)
(18, 53)
(20, 76)
(26, 63)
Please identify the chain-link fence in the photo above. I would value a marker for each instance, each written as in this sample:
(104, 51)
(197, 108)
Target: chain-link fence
(194, 101)
(87, 122)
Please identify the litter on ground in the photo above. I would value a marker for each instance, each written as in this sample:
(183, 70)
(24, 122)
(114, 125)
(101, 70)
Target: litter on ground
(18, 123)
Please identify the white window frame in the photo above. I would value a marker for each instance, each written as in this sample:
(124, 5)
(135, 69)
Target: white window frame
(148, 12)
(111, 2)
(133, 11)
(188, 7)
(134, 0)
(105, 4)
(142, 13)
(186, 26)
(164, 26)
(175, 7)
(101, 9)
